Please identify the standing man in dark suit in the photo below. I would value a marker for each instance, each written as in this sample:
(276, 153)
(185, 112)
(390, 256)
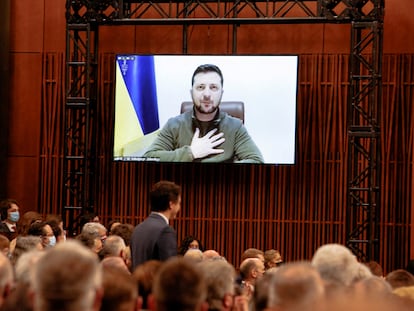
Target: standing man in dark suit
(154, 238)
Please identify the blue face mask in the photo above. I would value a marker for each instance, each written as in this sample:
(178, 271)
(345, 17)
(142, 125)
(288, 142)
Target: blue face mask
(52, 241)
(14, 216)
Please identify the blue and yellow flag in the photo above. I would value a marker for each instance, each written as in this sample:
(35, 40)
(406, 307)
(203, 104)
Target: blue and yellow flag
(136, 106)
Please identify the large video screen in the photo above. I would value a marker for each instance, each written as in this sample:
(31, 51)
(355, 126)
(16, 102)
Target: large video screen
(150, 126)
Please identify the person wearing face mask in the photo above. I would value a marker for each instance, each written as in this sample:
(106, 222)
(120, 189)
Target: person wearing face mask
(56, 223)
(43, 230)
(9, 213)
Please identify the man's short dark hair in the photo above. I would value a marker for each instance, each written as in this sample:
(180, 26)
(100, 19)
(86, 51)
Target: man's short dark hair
(37, 229)
(207, 68)
(162, 193)
(179, 285)
(124, 231)
(4, 206)
(400, 278)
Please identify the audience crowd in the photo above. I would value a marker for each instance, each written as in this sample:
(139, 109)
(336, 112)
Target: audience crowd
(42, 269)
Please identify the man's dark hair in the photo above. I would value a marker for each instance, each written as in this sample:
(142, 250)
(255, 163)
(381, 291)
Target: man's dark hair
(57, 231)
(400, 278)
(162, 193)
(251, 253)
(207, 68)
(4, 206)
(124, 231)
(179, 285)
(375, 268)
(37, 229)
(185, 244)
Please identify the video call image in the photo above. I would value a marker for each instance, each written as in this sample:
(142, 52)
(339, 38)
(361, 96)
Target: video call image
(150, 89)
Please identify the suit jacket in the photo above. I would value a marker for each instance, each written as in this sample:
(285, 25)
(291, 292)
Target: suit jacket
(4, 230)
(152, 239)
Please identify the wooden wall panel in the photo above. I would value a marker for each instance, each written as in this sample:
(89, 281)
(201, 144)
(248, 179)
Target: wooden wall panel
(27, 25)
(4, 90)
(52, 120)
(398, 27)
(24, 129)
(155, 39)
(397, 151)
(54, 25)
(280, 39)
(120, 39)
(201, 37)
(25, 93)
(24, 181)
(336, 39)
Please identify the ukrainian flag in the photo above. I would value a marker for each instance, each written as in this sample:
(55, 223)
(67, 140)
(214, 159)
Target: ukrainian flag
(136, 107)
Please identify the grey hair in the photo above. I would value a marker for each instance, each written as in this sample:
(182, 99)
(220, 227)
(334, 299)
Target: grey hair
(336, 264)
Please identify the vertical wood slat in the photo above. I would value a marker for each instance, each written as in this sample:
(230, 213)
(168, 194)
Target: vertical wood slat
(294, 208)
(50, 185)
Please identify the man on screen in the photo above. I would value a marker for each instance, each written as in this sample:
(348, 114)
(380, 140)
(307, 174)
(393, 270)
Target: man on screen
(205, 134)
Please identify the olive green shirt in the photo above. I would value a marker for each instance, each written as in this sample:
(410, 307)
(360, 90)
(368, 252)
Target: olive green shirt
(173, 142)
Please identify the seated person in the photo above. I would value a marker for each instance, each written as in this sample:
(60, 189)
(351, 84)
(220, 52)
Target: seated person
(205, 134)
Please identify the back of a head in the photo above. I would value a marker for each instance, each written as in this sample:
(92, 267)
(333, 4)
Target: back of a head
(261, 291)
(27, 220)
(194, 254)
(400, 278)
(247, 266)
(219, 277)
(211, 254)
(162, 193)
(37, 228)
(296, 286)
(94, 228)
(25, 265)
(357, 301)
(336, 264)
(252, 253)
(25, 244)
(375, 268)
(68, 276)
(362, 272)
(373, 286)
(179, 285)
(124, 231)
(120, 290)
(89, 241)
(114, 246)
(144, 275)
(115, 262)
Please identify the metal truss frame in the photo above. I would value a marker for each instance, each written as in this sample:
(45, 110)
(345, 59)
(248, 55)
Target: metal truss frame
(366, 18)
(364, 149)
(80, 130)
